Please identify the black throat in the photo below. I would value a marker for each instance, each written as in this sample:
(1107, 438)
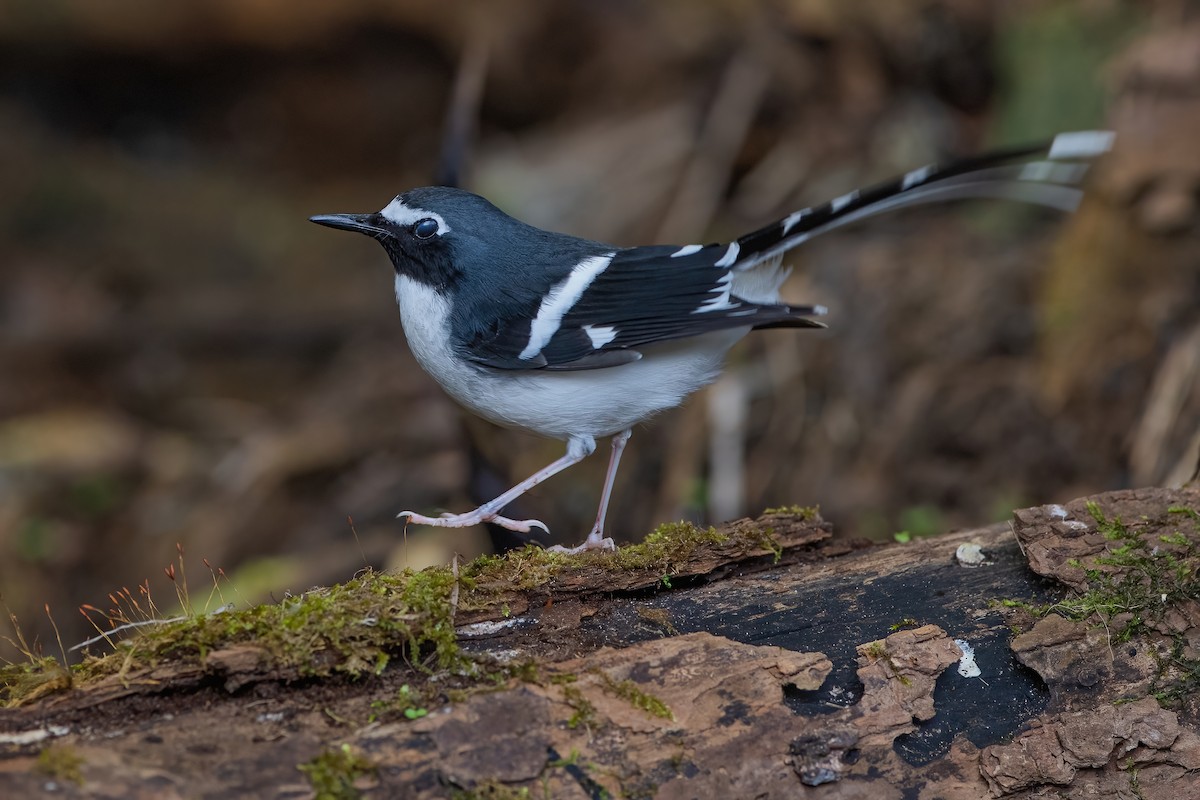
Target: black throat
(432, 266)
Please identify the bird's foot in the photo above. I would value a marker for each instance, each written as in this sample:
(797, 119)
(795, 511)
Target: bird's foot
(476, 517)
(596, 540)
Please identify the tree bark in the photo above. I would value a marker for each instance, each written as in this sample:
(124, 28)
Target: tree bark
(926, 670)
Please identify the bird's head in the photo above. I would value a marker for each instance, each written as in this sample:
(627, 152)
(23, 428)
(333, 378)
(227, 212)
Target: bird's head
(432, 233)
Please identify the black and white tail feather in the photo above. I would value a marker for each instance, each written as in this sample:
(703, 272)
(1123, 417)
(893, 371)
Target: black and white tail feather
(1046, 174)
(615, 303)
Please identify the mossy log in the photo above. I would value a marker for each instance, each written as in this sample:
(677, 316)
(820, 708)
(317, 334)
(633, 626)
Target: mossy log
(1056, 656)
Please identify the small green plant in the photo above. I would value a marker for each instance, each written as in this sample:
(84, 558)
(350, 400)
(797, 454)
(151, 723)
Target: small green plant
(907, 622)
(406, 702)
(334, 772)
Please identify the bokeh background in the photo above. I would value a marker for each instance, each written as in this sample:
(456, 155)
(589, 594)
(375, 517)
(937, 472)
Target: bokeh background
(184, 360)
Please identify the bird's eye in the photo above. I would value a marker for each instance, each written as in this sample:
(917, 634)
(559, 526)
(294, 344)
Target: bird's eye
(425, 228)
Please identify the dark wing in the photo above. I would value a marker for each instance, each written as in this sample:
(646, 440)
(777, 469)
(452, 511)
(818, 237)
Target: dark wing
(652, 294)
(637, 297)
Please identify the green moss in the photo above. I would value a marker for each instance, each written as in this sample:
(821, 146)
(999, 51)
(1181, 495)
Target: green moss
(1190, 513)
(62, 763)
(667, 545)
(631, 693)
(1134, 579)
(352, 628)
(585, 712)
(334, 772)
(26, 681)
(527, 568)
(365, 624)
(907, 622)
(807, 513)
(1177, 681)
(875, 650)
(765, 538)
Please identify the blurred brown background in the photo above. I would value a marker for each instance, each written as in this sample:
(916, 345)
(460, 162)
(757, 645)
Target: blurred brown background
(184, 359)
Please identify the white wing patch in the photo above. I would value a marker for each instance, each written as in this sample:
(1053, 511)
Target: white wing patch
(730, 255)
(560, 300)
(401, 214)
(720, 301)
(687, 250)
(600, 334)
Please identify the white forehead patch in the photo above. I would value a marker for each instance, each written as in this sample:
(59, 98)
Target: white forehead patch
(401, 214)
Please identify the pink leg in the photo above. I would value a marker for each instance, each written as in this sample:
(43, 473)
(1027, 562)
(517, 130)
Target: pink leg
(596, 539)
(578, 448)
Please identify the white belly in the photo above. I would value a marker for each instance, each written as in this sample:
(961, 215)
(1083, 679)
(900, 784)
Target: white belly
(596, 403)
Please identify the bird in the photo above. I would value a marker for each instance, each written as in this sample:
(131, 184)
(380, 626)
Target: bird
(578, 340)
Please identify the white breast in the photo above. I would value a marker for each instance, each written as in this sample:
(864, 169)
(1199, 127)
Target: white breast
(596, 403)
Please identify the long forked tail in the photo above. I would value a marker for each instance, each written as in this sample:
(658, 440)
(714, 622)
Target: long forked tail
(1047, 174)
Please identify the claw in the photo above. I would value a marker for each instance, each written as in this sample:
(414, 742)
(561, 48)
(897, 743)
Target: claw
(470, 518)
(444, 521)
(518, 525)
